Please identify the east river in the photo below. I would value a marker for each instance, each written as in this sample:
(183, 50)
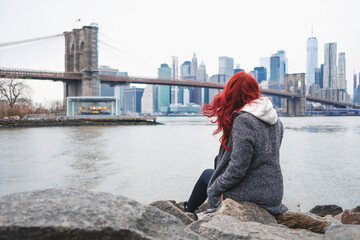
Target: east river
(320, 159)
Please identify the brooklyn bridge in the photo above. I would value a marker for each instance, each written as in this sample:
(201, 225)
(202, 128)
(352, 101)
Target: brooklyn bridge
(82, 77)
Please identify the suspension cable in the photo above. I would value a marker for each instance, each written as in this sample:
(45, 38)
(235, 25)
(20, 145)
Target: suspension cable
(29, 40)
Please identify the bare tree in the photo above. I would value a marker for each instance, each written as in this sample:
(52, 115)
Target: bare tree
(12, 90)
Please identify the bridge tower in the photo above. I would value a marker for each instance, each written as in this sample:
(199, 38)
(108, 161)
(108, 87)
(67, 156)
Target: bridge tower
(81, 55)
(295, 83)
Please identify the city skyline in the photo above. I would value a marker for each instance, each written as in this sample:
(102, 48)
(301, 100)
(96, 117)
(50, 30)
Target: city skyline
(149, 38)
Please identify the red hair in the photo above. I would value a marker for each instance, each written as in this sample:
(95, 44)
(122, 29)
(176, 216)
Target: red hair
(241, 89)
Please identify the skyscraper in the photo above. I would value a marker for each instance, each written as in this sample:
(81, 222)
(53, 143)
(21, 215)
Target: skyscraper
(194, 67)
(185, 71)
(330, 69)
(274, 81)
(311, 60)
(260, 73)
(355, 85)
(149, 99)
(175, 76)
(164, 92)
(226, 66)
(283, 67)
(133, 100)
(195, 92)
(342, 72)
(265, 62)
(202, 76)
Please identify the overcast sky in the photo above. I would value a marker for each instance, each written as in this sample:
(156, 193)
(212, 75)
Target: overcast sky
(147, 33)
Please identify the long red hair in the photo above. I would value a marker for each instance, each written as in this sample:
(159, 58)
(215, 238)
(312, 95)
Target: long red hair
(241, 89)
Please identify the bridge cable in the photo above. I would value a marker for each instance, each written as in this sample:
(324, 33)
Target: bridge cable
(29, 40)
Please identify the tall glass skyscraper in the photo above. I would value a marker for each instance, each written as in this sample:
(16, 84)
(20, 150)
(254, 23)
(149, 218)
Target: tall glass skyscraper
(283, 67)
(311, 60)
(164, 92)
(342, 72)
(330, 68)
(274, 81)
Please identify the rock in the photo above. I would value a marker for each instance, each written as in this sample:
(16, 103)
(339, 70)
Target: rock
(244, 211)
(298, 220)
(170, 207)
(323, 210)
(357, 209)
(350, 217)
(221, 227)
(14, 117)
(81, 214)
(343, 232)
(338, 217)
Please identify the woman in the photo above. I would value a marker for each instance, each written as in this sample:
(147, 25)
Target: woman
(247, 167)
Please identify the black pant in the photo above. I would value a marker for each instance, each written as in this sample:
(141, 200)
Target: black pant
(199, 194)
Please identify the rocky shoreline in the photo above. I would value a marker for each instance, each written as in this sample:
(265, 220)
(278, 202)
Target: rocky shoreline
(67, 122)
(82, 214)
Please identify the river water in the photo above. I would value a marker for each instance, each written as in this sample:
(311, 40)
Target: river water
(320, 158)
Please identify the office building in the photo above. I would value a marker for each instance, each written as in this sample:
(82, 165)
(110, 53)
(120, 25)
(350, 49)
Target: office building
(311, 60)
(318, 77)
(164, 91)
(194, 67)
(133, 97)
(274, 81)
(283, 67)
(342, 72)
(265, 62)
(149, 99)
(217, 78)
(195, 92)
(175, 76)
(202, 76)
(330, 68)
(260, 73)
(355, 85)
(117, 91)
(226, 66)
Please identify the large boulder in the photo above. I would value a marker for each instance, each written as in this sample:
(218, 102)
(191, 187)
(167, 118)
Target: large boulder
(343, 232)
(350, 217)
(324, 210)
(245, 211)
(81, 214)
(171, 208)
(221, 227)
(298, 220)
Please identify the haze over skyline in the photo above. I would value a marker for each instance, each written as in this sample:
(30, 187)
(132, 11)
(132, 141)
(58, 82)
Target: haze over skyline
(148, 33)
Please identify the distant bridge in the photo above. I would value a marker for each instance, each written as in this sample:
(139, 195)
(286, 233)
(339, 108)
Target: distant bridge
(82, 76)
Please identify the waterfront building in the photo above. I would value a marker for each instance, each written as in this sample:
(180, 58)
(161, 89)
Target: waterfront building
(236, 70)
(342, 72)
(274, 81)
(311, 60)
(117, 91)
(226, 66)
(164, 91)
(330, 68)
(265, 62)
(149, 99)
(283, 67)
(133, 97)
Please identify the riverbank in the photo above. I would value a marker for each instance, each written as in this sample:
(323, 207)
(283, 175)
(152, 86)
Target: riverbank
(82, 214)
(85, 121)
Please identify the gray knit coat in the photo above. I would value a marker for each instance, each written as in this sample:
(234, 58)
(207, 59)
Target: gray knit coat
(251, 170)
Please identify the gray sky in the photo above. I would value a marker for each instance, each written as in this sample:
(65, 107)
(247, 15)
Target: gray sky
(148, 33)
